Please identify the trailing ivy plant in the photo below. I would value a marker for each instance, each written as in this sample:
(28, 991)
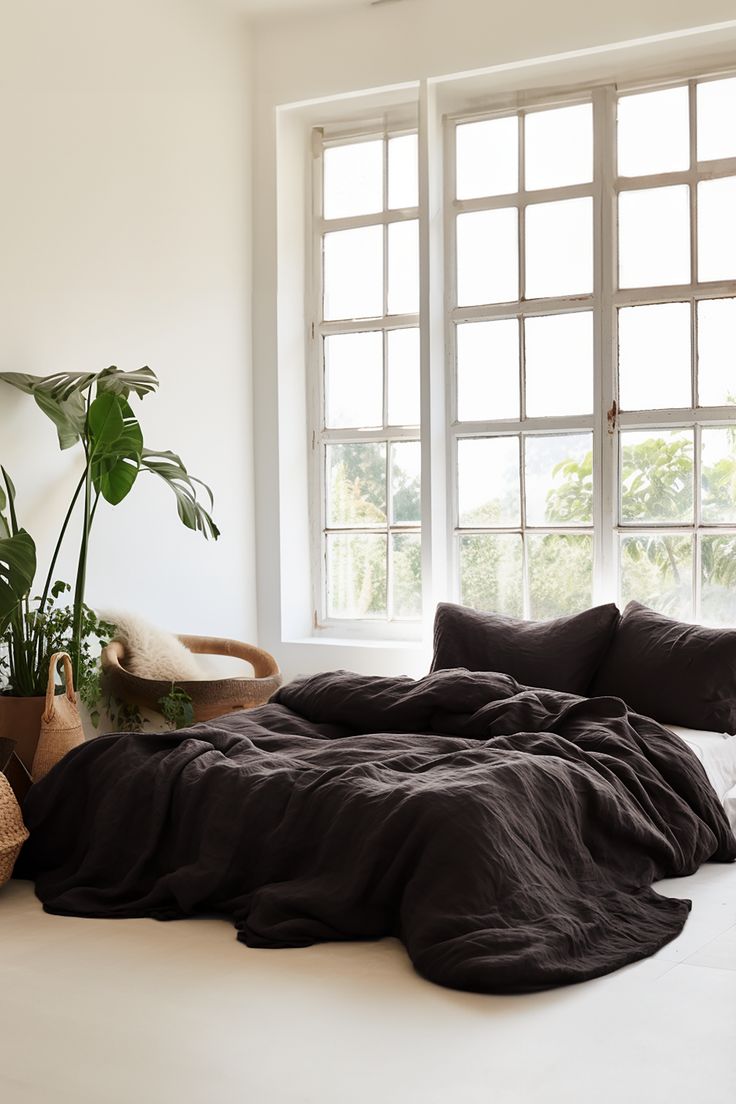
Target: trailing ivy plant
(124, 716)
(92, 412)
(176, 707)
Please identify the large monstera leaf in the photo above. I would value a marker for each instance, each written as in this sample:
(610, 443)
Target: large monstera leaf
(17, 570)
(8, 525)
(62, 396)
(17, 556)
(169, 467)
(142, 382)
(115, 446)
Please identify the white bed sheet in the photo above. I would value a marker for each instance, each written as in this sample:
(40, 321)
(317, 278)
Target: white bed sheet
(717, 753)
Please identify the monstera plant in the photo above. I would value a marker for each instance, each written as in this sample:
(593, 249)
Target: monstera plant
(92, 412)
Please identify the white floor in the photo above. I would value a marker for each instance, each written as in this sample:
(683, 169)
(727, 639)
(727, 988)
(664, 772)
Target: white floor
(127, 1012)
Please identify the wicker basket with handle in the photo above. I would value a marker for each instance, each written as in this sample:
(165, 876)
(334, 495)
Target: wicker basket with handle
(61, 725)
(13, 832)
(210, 697)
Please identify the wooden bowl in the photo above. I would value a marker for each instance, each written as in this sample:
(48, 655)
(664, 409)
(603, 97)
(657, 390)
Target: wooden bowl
(210, 697)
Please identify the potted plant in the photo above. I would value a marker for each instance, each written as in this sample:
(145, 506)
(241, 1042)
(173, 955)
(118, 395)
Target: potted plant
(91, 411)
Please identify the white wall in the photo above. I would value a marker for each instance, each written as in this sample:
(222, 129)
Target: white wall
(306, 58)
(125, 238)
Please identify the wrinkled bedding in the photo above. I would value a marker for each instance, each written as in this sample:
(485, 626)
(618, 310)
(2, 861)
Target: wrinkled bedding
(508, 836)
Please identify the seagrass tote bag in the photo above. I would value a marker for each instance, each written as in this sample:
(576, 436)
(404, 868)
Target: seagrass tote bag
(13, 832)
(61, 725)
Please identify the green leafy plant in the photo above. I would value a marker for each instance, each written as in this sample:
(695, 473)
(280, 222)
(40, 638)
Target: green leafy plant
(125, 716)
(17, 556)
(92, 412)
(176, 707)
(657, 483)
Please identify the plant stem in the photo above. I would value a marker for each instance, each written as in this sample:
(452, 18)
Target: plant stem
(23, 674)
(38, 640)
(81, 574)
(82, 564)
(54, 558)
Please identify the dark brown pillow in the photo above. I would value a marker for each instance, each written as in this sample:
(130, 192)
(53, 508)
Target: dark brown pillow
(674, 672)
(559, 655)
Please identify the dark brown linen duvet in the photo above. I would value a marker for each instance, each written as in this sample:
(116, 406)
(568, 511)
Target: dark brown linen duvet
(508, 836)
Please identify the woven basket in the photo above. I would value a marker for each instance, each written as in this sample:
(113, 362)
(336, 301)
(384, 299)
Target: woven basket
(13, 832)
(210, 697)
(61, 725)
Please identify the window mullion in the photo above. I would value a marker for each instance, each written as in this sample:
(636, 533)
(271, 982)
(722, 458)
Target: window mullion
(525, 587)
(698, 518)
(316, 406)
(604, 387)
(693, 173)
(435, 372)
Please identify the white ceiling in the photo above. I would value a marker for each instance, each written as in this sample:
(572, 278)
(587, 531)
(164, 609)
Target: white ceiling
(268, 7)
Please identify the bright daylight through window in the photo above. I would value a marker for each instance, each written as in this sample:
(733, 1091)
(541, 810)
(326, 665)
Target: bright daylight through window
(369, 393)
(590, 282)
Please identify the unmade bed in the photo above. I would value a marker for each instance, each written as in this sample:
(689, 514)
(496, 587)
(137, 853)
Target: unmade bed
(508, 836)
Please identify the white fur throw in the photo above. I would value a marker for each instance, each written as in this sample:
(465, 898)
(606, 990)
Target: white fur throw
(150, 652)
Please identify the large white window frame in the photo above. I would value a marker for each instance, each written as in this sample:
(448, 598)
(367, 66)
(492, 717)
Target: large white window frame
(522, 427)
(695, 417)
(393, 124)
(436, 175)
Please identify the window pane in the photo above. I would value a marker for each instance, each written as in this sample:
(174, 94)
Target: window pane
(354, 380)
(716, 352)
(356, 484)
(353, 179)
(653, 132)
(403, 267)
(559, 479)
(403, 181)
(491, 573)
(487, 158)
(716, 113)
(559, 364)
(406, 575)
(560, 574)
(657, 570)
(356, 575)
(654, 356)
(353, 261)
(406, 472)
(657, 475)
(558, 147)
(488, 370)
(654, 237)
(403, 377)
(718, 580)
(718, 475)
(488, 481)
(559, 248)
(487, 257)
(717, 229)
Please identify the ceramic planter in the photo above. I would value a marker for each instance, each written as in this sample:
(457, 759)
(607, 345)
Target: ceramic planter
(20, 720)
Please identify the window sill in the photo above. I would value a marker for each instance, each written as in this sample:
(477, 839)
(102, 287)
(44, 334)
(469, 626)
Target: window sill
(310, 655)
(414, 644)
